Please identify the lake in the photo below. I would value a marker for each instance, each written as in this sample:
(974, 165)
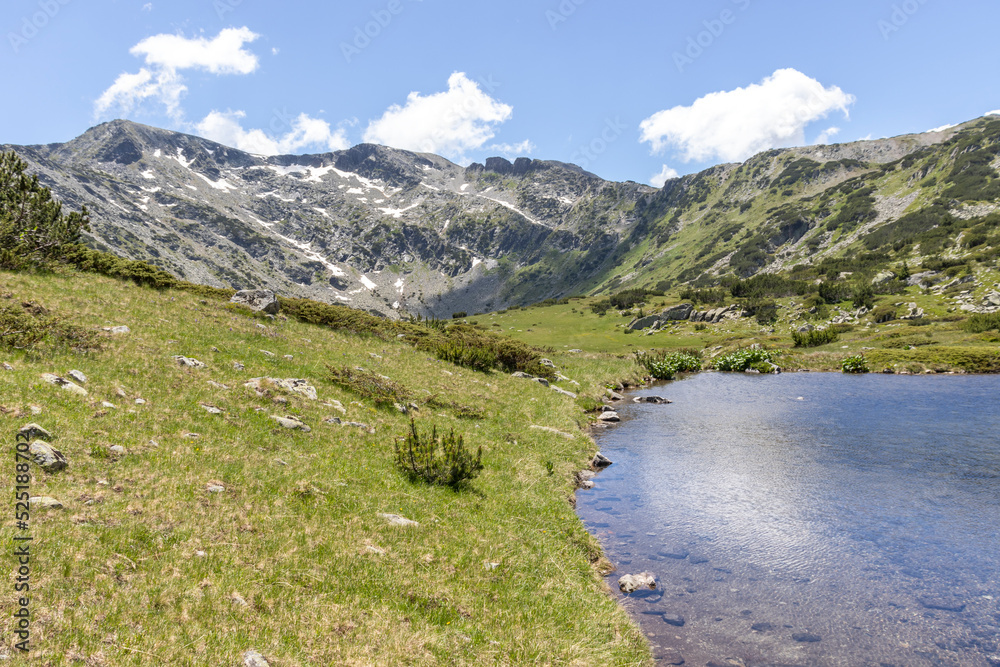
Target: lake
(809, 518)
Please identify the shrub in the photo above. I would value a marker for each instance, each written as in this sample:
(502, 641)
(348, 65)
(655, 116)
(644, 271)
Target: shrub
(745, 358)
(855, 364)
(28, 325)
(883, 314)
(982, 322)
(369, 385)
(459, 315)
(664, 365)
(443, 461)
(814, 338)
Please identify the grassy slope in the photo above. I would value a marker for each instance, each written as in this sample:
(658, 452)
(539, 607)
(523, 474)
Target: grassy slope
(296, 534)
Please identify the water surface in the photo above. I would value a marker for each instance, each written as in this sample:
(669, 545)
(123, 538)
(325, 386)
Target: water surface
(810, 518)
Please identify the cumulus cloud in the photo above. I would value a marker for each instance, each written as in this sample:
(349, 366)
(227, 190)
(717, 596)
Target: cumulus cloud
(827, 134)
(994, 113)
(525, 147)
(659, 179)
(165, 57)
(734, 125)
(448, 123)
(304, 133)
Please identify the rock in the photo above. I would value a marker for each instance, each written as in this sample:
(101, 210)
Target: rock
(186, 361)
(679, 312)
(670, 656)
(606, 408)
(119, 330)
(643, 322)
(762, 627)
(941, 604)
(807, 328)
(675, 552)
(547, 363)
(562, 391)
(64, 383)
(254, 659)
(291, 423)
(295, 385)
(522, 374)
(396, 520)
(258, 300)
(585, 475)
(7, 367)
(630, 583)
(46, 457)
(586, 484)
(614, 395)
(549, 429)
(217, 385)
(806, 637)
(600, 461)
(140, 401)
(655, 400)
(883, 277)
(33, 430)
(107, 404)
(44, 503)
(78, 376)
(215, 488)
(118, 450)
(609, 417)
(541, 381)
(575, 351)
(268, 354)
(675, 620)
(238, 366)
(211, 409)
(288, 357)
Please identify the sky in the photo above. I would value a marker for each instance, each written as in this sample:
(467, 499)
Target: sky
(630, 90)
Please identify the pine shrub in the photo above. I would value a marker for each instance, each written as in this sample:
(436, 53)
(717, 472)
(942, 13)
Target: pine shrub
(437, 460)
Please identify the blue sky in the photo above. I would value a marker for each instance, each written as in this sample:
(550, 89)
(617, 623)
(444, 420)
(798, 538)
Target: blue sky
(629, 90)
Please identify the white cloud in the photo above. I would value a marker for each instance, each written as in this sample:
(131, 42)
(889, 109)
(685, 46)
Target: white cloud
(993, 113)
(447, 123)
(305, 132)
(165, 57)
(148, 7)
(827, 134)
(942, 128)
(525, 147)
(734, 125)
(659, 179)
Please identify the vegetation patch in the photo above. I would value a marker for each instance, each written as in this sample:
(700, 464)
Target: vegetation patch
(748, 358)
(437, 460)
(664, 365)
(377, 388)
(814, 338)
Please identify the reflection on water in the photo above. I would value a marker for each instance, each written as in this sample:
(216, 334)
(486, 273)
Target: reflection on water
(810, 519)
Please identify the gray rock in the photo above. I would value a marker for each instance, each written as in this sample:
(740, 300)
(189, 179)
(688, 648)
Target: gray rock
(679, 312)
(609, 417)
(675, 620)
(396, 520)
(806, 329)
(108, 404)
(259, 300)
(254, 659)
(675, 552)
(71, 387)
(643, 322)
(614, 395)
(238, 366)
(600, 461)
(140, 401)
(883, 277)
(806, 637)
(630, 583)
(217, 385)
(211, 409)
(574, 351)
(547, 363)
(268, 354)
(586, 484)
(33, 430)
(78, 376)
(291, 423)
(44, 503)
(46, 457)
(215, 488)
(117, 450)
(7, 367)
(671, 656)
(522, 374)
(562, 391)
(187, 361)
(295, 385)
(655, 400)
(119, 330)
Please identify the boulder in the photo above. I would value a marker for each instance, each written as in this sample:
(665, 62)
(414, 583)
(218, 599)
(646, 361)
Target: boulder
(600, 461)
(258, 300)
(643, 322)
(44, 503)
(609, 417)
(46, 457)
(883, 277)
(64, 383)
(630, 583)
(296, 385)
(681, 311)
(187, 361)
(655, 400)
(34, 431)
(78, 376)
(291, 423)
(547, 363)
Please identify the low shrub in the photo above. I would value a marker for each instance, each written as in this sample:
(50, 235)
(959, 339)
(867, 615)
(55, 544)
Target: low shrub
(981, 322)
(746, 358)
(368, 385)
(854, 364)
(883, 314)
(665, 365)
(443, 461)
(29, 326)
(814, 338)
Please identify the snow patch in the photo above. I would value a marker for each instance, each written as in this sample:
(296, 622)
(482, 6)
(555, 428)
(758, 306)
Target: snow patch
(158, 153)
(476, 261)
(395, 305)
(431, 187)
(221, 184)
(355, 191)
(398, 212)
(148, 174)
(180, 158)
(399, 285)
(465, 186)
(152, 191)
(367, 283)
(322, 211)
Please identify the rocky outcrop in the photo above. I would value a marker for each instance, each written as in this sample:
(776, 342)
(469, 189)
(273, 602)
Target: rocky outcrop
(257, 300)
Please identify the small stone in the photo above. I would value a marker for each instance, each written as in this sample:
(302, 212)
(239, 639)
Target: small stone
(600, 461)
(215, 488)
(295, 385)
(288, 357)
(120, 393)
(45, 503)
(119, 330)
(396, 520)
(238, 599)
(214, 349)
(238, 366)
(630, 583)
(106, 404)
(200, 554)
(64, 383)
(266, 353)
(587, 484)
(671, 656)
(33, 430)
(562, 391)
(7, 367)
(187, 361)
(291, 423)
(117, 449)
(35, 409)
(541, 381)
(806, 637)
(491, 566)
(46, 457)
(609, 417)
(211, 409)
(192, 436)
(254, 659)
(78, 376)
(140, 401)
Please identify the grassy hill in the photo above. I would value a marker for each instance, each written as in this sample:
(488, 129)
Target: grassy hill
(149, 562)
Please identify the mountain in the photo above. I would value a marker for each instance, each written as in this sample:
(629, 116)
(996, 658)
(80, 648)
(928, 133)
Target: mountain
(394, 232)
(373, 227)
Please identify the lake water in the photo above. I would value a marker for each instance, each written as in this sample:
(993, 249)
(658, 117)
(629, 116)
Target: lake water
(809, 518)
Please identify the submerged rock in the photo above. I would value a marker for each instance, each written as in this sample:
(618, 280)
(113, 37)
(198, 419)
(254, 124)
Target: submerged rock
(630, 583)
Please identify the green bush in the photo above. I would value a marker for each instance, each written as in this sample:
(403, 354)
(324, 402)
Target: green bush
(814, 338)
(443, 461)
(982, 322)
(665, 365)
(29, 326)
(884, 314)
(745, 358)
(369, 385)
(855, 364)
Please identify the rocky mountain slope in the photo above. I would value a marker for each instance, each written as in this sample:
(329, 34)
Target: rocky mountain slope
(372, 227)
(400, 232)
